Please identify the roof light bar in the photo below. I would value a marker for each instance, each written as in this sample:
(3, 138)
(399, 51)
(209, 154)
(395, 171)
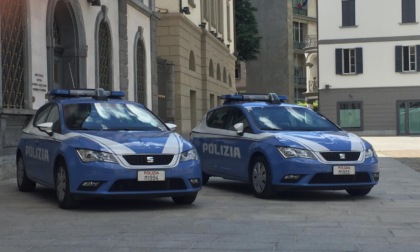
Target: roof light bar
(271, 98)
(95, 93)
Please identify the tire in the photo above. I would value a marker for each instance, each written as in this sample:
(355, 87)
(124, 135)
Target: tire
(185, 200)
(62, 187)
(358, 192)
(205, 178)
(261, 179)
(23, 182)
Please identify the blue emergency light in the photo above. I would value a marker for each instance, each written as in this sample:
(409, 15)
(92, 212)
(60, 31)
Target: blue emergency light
(271, 98)
(99, 93)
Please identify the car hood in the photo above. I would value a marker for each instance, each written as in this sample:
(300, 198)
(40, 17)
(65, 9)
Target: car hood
(130, 142)
(321, 141)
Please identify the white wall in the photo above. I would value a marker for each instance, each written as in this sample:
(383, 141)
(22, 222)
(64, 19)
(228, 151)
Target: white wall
(375, 19)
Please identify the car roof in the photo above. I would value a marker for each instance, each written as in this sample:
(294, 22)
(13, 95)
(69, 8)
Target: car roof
(247, 100)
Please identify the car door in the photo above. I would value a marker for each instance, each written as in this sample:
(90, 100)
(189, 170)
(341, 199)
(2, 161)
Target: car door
(236, 146)
(42, 147)
(210, 142)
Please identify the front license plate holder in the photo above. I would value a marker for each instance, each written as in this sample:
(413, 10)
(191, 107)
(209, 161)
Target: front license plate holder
(151, 175)
(344, 170)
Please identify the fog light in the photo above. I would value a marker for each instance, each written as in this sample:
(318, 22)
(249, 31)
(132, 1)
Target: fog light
(195, 182)
(89, 185)
(291, 178)
(375, 176)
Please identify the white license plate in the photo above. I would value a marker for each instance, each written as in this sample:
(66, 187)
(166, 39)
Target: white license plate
(344, 170)
(151, 176)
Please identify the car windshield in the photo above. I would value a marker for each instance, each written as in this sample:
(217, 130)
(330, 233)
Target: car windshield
(110, 116)
(290, 119)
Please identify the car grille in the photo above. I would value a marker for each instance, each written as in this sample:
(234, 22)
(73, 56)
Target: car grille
(341, 156)
(131, 185)
(148, 159)
(329, 178)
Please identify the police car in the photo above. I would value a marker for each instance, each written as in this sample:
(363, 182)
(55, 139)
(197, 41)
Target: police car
(92, 143)
(275, 146)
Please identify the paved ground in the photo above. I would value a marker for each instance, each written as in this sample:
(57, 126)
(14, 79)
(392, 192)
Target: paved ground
(226, 217)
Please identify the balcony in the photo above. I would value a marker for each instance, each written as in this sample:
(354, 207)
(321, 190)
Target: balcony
(311, 42)
(313, 86)
(302, 12)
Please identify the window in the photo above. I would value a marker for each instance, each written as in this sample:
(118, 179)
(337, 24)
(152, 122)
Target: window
(350, 115)
(349, 61)
(409, 117)
(211, 69)
(104, 43)
(192, 61)
(298, 35)
(406, 58)
(348, 13)
(408, 11)
(218, 118)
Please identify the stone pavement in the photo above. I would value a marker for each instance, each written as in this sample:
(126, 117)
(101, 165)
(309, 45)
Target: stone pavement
(226, 217)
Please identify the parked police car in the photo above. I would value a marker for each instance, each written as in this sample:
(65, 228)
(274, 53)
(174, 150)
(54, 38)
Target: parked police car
(274, 146)
(92, 143)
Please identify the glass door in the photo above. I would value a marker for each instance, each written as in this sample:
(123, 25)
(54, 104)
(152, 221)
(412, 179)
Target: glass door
(409, 118)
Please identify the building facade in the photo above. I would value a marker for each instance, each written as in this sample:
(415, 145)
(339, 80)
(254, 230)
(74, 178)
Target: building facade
(369, 65)
(197, 38)
(47, 44)
(281, 66)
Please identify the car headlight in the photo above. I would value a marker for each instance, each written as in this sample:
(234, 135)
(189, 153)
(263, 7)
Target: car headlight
(189, 155)
(93, 156)
(289, 152)
(369, 153)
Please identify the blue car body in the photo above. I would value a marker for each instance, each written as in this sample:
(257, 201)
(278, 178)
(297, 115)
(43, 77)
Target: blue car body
(115, 156)
(278, 146)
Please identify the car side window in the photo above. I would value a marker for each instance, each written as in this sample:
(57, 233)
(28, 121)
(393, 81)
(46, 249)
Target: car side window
(54, 117)
(218, 118)
(42, 114)
(237, 116)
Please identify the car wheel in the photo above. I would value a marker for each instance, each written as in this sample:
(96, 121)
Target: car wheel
(185, 200)
(23, 182)
(261, 179)
(62, 187)
(358, 192)
(205, 178)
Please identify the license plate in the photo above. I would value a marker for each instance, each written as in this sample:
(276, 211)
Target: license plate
(344, 170)
(151, 176)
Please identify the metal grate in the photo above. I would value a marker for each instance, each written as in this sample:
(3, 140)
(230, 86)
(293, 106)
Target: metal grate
(104, 57)
(12, 14)
(140, 72)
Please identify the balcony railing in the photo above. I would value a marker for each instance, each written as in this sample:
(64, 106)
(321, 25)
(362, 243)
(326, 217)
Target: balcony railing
(303, 12)
(313, 86)
(311, 41)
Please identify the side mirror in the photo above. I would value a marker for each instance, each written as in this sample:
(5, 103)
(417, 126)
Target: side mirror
(171, 126)
(45, 127)
(239, 127)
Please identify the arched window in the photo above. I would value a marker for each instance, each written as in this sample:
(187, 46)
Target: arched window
(192, 61)
(66, 45)
(13, 26)
(211, 69)
(218, 72)
(230, 81)
(140, 67)
(224, 75)
(103, 51)
(104, 56)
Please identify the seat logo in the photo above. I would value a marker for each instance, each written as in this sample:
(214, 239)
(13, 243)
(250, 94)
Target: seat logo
(342, 156)
(150, 160)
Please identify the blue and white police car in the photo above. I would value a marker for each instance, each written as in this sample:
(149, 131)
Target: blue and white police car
(275, 146)
(93, 143)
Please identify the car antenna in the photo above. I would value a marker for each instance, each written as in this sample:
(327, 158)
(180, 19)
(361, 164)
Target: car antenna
(71, 76)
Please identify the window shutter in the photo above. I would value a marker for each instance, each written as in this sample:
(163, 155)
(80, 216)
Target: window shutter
(359, 60)
(338, 61)
(398, 59)
(418, 58)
